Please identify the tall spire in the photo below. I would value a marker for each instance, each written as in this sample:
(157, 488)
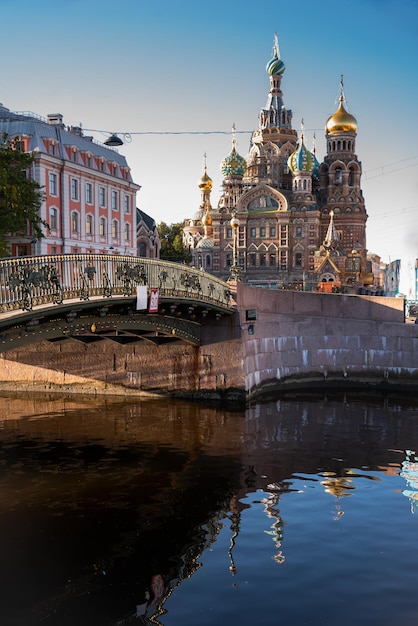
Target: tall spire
(274, 115)
(331, 240)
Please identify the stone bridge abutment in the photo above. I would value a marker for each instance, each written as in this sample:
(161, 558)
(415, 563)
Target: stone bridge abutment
(275, 342)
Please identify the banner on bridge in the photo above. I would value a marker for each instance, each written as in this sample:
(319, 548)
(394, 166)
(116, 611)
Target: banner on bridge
(153, 301)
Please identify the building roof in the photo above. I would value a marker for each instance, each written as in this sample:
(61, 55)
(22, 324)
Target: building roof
(147, 219)
(26, 123)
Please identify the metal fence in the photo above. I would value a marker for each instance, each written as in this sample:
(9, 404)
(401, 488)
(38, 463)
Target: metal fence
(26, 282)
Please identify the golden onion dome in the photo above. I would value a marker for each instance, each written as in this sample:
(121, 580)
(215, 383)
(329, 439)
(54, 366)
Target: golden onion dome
(341, 121)
(207, 219)
(205, 182)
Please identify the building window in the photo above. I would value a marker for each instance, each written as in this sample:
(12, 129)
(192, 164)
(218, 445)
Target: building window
(229, 233)
(102, 196)
(115, 229)
(127, 232)
(298, 231)
(89, 224)
(102, 227)
(114, 200)
(252, 260)
(127, 204)
(262, 232)
(228, 259)
(262, 260)
(53, 219)
(142, 249)
(53, 184)
(272, 231)
(52, 149)
(338, 176)
(283, 235)
(74, 156)
(89, 193)
(253, 232)
(19, 145)
(74, 189)
(283, 260)
(272, 260)
(88, 161)
(298, 259)
(74, 222)
(101, 167)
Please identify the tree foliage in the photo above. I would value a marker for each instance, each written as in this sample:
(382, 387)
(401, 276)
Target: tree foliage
(20, 196)
(172, 248)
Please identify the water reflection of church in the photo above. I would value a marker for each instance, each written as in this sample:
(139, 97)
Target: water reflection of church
(283, 218)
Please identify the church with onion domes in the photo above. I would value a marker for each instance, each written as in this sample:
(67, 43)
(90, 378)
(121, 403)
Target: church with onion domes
(284, 219)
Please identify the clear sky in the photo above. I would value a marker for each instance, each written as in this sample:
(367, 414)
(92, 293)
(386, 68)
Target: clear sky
(164, 66)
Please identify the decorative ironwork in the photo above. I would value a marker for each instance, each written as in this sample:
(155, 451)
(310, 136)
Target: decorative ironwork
(107, 285)
(26, 282)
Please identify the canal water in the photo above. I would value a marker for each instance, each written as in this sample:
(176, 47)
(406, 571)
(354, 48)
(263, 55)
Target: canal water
(302, 511)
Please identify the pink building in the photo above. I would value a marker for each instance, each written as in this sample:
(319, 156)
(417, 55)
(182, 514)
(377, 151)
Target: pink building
(90, 201)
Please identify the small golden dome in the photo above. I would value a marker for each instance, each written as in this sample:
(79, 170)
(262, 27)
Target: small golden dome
(205, 182)
(207, 219)
(341, 121)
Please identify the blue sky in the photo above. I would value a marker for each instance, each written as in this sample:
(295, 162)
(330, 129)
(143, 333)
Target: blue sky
(137, 66)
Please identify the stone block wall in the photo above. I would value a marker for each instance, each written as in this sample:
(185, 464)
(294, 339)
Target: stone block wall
(213, 370)
(302, 340)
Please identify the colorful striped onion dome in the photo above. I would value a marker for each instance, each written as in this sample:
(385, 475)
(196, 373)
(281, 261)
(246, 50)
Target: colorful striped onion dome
(302, 160)
(275, 65)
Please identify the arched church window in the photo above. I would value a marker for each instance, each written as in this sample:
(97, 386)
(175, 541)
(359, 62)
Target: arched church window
(338, 178)
(263, 202)
(298, 259)
(142, 249)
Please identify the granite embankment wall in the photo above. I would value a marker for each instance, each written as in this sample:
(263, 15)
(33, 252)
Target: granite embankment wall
(297, 341)
(313, 340)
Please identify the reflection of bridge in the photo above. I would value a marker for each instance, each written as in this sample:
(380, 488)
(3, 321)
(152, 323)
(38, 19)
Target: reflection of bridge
(94, 296)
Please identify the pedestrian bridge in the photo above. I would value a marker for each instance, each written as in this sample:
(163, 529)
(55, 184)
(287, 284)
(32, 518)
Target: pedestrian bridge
(95, 296)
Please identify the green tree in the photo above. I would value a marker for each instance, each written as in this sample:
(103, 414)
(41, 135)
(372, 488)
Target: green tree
(172, 248)
(20, 196)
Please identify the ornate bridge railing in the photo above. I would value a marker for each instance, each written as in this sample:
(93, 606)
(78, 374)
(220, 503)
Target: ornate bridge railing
(26, 282)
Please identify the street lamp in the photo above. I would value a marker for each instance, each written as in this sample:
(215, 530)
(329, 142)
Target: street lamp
(234, 273)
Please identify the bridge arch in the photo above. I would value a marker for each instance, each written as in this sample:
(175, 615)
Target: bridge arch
(94, 296)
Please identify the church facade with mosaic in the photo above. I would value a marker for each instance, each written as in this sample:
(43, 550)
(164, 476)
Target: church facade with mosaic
(285, 220)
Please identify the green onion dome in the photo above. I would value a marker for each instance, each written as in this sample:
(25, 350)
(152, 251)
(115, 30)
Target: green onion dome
(302, 160)
(233, 164)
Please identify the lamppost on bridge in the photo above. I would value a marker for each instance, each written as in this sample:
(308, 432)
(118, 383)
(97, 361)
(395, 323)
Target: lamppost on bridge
(234, 272)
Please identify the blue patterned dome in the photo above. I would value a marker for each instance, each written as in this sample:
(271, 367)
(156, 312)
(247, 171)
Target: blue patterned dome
(233, 164)
(302, 160)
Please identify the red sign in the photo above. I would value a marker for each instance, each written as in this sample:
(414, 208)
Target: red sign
(154, 297)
